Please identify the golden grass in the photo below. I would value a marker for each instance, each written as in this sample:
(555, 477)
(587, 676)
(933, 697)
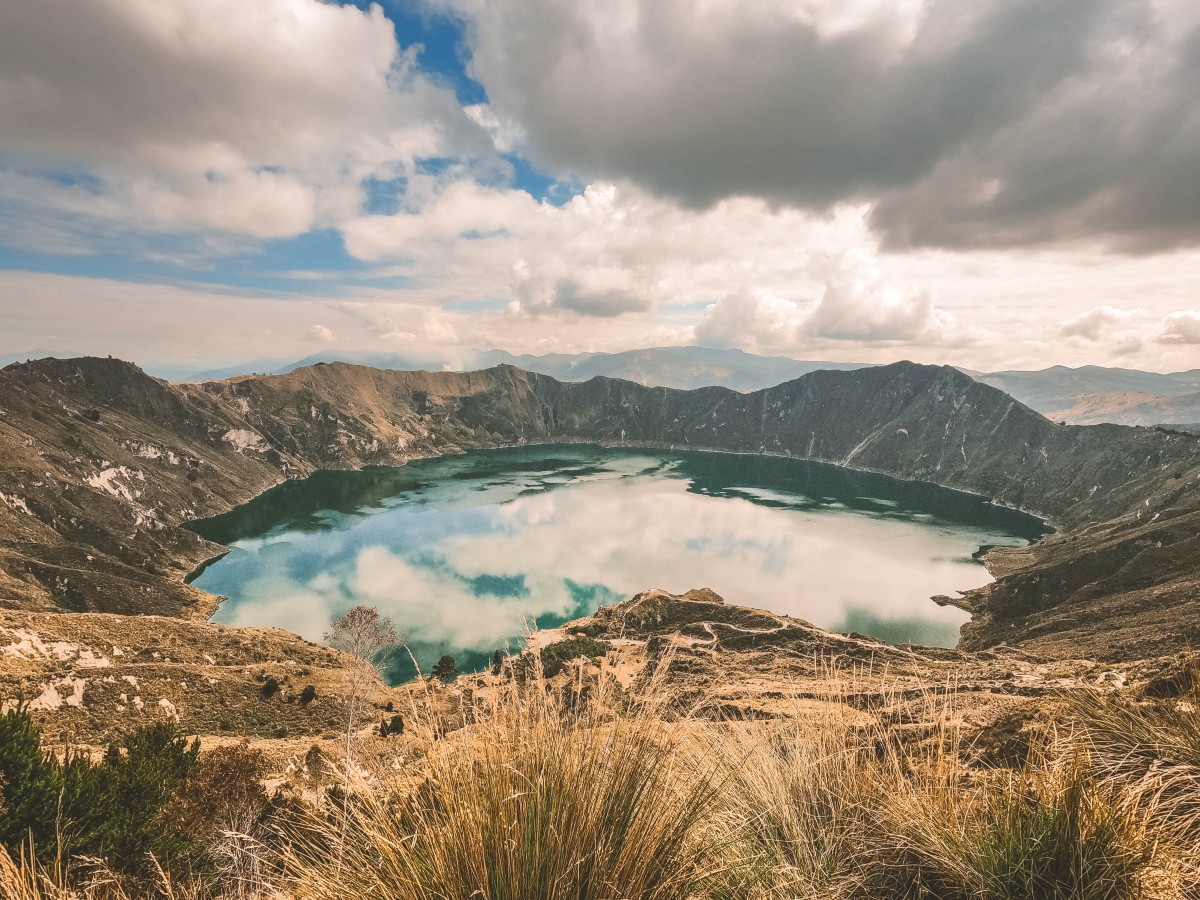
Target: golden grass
(542, 796)
(826, 808)
(545, 791)
(24, 879)
(1151, 747)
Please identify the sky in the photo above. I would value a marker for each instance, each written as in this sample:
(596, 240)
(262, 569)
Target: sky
(994, 184)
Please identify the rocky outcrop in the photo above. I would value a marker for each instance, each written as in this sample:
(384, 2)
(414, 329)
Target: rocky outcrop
(101, 464)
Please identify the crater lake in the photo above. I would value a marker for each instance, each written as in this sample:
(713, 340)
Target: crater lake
(466, 553)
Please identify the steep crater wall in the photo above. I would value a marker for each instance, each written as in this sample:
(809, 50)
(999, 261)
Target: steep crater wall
(100, 464)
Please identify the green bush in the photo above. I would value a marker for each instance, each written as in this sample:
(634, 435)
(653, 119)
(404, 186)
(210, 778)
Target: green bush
(33, 782)
(111, 810)
(120, 801)
(445, 669)
(555, 656)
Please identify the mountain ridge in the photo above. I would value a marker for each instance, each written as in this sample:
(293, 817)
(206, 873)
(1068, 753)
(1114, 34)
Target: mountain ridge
(125, 459)
(1083, 395)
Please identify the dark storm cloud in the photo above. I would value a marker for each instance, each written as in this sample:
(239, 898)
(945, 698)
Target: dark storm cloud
(968, 123)
(1113, 154)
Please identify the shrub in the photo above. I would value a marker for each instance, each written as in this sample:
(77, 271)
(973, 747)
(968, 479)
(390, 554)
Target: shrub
(222, 806)
(269, 688)
(554, 657)
(308, 695)
(223, 790)
(32, 782)
(119, 803)
(445, 669)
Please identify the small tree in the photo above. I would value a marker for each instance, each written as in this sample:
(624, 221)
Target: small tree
(365, 637)
(445, 669)
(221, 806)
(308, 695)
(497, 662)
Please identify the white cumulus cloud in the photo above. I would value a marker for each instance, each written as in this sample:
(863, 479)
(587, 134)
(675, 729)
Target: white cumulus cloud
(254, 118)
(1181, 328)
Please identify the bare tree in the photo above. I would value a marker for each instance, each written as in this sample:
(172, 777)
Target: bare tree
(365, 636)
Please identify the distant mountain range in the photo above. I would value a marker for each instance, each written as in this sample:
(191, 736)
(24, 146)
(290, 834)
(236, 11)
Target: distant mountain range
(1086, 396)
(1090, 395)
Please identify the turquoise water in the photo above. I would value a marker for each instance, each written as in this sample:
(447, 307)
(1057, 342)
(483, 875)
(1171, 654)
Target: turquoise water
(465, 553)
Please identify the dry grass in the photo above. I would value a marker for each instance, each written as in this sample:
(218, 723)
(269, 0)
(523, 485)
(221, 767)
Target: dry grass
(539, 791)
(24, 879)
(542, 796)
(1151, 747)
(829, 808)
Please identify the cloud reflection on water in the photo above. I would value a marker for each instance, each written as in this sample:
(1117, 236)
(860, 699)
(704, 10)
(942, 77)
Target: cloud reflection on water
(466, 562)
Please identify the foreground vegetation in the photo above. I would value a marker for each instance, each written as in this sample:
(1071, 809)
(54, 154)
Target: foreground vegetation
(576, 789)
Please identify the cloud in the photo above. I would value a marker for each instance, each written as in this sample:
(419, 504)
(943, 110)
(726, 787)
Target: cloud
(858, 311)
(1096, 323)
(855, 312)
(461, 210)
(1181, 328)
(755, 320)
(1126, 332)
(969, 122)
(570, 294)
(609, 251)
(255, 118)
(1106, 155)
(320, 333)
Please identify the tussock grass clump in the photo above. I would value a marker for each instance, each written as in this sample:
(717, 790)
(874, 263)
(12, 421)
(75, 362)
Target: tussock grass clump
(825, 806)
(24, 878)
(1054, 832)
(1151, 747)
(532, 800)
(1048, 832)
(798, 799)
